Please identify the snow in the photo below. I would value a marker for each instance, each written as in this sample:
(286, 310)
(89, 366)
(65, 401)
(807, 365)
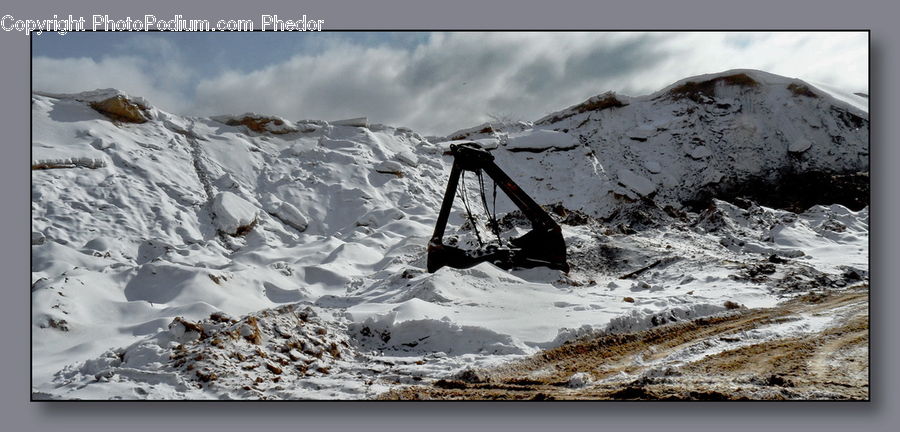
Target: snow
(857, 101)
(485, 143)
(384, 334)
(653, 166)
(97, 95)
(267, 123)
(389, 167)
(340, 218)
(800, 146)
(291, 216)
(579, 380)
(358, 122)
(637, 183)
(642, 133)
(407, 157)
(541, 139)
(233, 212)
(699, 152)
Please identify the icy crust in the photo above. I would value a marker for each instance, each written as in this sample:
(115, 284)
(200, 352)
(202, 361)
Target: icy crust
(342, 214)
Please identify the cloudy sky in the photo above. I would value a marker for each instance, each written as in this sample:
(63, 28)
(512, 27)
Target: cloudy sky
(434, 83)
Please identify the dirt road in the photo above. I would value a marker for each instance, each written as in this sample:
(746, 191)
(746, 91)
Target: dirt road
(810, 347)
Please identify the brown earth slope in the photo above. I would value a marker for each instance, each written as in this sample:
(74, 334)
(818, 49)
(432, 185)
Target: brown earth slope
(755, 354)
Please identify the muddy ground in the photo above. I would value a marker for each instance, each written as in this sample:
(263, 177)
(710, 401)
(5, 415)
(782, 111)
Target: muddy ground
(731, 356)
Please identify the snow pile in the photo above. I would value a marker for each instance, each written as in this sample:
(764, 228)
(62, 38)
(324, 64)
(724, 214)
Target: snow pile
(188, 222)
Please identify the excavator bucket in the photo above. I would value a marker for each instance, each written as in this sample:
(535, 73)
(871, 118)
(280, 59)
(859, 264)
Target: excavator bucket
(543, 246)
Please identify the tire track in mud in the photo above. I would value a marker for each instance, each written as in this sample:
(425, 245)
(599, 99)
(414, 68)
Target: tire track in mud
(729, 356)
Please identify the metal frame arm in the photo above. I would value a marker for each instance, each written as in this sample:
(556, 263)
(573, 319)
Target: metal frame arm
(536, 215)
(542, 246)
(447, 204)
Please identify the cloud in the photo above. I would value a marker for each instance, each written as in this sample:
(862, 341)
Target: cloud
(128, 74)
(838, 58)
(152, 67)
(449, 81)
(457, 80)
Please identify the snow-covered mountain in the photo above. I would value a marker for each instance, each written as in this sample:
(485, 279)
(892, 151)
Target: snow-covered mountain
(253, 256)
(704, 136)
